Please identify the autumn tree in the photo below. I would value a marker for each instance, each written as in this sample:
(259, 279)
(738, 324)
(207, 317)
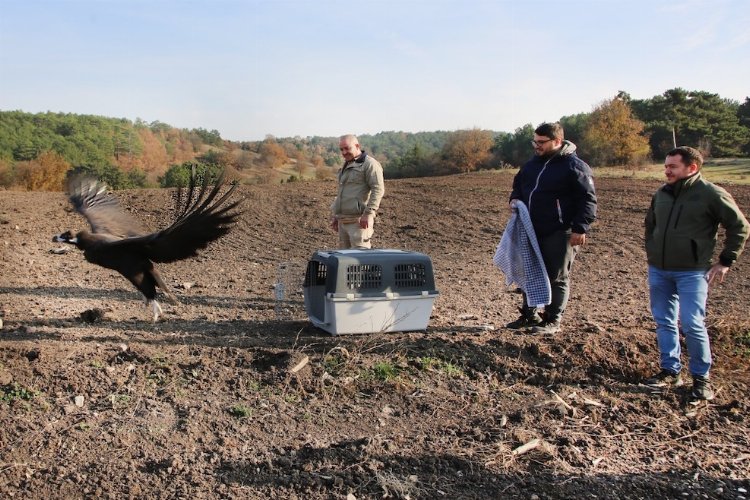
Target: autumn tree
(613, 136)
(300, 167)
(7, 174)
(45, 173)
(467, 150)
(243, 160)
(154, 158)
(272, 154)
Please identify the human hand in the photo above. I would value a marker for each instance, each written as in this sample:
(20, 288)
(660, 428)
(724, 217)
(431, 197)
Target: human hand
(335, 224)
(364, 221)
(577, 239)
(512, 205)
(717, 271)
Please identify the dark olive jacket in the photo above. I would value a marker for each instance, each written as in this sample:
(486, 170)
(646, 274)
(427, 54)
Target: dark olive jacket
(683, 221)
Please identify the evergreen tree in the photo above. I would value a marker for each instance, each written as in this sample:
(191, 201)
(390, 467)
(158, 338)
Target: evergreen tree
(515, 148)
(743, 113)
(692, 118)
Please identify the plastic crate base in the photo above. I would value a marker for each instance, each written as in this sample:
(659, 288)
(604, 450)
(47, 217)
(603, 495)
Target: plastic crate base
(362, 315)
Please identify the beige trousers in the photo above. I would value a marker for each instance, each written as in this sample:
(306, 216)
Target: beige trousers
(353, 236)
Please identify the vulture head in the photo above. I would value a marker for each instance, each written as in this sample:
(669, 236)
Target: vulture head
(66, 237)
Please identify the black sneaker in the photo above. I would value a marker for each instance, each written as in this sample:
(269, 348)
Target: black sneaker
(665, 378)
(525, 322)
(702, 388)
(547, 327)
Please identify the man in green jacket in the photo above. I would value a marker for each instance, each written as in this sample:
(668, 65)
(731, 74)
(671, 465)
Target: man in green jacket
(681, 229)
(360, 189)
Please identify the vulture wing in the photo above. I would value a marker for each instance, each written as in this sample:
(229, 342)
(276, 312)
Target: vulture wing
(203, 216)
(102, 211)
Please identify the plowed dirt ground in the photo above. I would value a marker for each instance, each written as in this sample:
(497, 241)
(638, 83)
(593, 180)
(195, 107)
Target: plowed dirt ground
(96, 401)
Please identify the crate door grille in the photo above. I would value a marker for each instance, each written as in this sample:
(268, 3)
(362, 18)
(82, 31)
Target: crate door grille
(315, 274)
(410, 275)
(364, 276)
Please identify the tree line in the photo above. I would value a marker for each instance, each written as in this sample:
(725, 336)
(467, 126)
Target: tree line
(38, 151)
(623, 131)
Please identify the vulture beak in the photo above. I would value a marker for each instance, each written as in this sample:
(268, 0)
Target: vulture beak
(65, 238)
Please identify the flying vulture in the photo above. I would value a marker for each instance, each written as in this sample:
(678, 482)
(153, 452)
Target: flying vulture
(116, 240)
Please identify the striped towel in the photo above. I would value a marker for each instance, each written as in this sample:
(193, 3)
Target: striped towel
(519, 258)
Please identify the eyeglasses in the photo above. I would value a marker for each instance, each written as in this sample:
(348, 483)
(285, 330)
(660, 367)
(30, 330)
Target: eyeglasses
(539, 143)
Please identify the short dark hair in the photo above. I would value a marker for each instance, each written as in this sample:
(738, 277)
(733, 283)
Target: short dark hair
(551, 130)
(689, 155)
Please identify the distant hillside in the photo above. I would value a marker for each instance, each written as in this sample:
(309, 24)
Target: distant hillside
(38, 150)
(100, 143)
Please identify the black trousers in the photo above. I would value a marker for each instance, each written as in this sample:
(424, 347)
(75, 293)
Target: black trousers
(558, 256)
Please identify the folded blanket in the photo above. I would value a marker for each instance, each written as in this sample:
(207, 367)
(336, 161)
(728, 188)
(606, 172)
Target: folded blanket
(519, 258)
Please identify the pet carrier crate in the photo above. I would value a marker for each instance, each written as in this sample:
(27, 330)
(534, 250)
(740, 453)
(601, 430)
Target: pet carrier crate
(369, 291)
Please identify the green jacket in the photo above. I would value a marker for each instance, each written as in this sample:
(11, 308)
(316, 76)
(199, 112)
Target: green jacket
(683, 221)
(360, 188)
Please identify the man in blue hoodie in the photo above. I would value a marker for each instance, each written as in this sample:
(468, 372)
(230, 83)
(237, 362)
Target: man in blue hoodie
(558, 189)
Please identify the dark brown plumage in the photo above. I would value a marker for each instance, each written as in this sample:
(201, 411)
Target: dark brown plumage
(117, 241)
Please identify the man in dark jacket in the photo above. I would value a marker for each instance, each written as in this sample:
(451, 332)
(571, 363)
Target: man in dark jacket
(681, 229)
(558, 189)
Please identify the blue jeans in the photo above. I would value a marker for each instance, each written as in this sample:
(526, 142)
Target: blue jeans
(680, 294)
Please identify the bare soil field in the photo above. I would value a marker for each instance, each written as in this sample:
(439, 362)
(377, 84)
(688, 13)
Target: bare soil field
(234, 394)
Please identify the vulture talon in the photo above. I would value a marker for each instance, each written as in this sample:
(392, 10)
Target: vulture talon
(156, 309)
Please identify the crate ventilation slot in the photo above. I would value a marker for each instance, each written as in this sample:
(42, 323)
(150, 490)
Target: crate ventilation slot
(410, 275)
(364, 276)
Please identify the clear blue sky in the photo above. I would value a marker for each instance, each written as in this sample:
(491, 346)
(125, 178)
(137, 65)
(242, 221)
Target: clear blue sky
(286, 68)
